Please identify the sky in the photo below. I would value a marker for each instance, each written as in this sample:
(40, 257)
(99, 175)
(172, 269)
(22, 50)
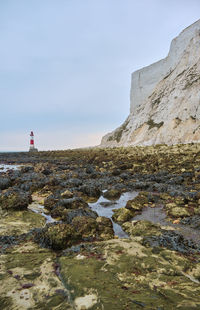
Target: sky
(65, 65)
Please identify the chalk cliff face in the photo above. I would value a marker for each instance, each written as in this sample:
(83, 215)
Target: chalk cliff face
(165, 98)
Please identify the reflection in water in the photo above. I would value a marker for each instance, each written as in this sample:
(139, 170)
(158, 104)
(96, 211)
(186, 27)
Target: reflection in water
(158, 215)
(104, 207)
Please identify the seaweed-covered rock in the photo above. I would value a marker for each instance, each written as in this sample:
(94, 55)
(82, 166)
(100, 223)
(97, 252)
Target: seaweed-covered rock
(192, 221)
(105, 228)
(43, 168)
(93, 229)
(73, 203)
(15, 200)
(176, 211)
(112, 194)
(172, 241)
(67, 194)
(141, 228)
(122, 215)
(90, 191)
(4, 182)
(67, 215)
(50, 202)
(86, 227)
(59, 236)
(139, 202)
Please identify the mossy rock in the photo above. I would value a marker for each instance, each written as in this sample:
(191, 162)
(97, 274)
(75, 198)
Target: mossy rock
(141, 228)
(73, 203)
(15, 200)
(112, 194)
(105, 228)
(138, 203)
(60, 236)
(177, 211)
(126, 275)
(50, 202)
(67, 194)
(86, 227)
(122, 215)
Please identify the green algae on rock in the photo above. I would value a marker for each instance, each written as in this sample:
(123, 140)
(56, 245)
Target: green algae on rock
(59, 236)
(122, 215)
(138, 203)
(115, 274)
(141, 228)
(14, 200)
(18, 222)
(112, 194)
(123, 275)
(30, 280)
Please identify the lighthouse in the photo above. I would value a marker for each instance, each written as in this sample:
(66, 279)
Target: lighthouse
(32, 147)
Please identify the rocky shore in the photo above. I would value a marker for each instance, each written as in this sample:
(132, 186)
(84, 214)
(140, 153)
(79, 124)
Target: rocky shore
(59, 246)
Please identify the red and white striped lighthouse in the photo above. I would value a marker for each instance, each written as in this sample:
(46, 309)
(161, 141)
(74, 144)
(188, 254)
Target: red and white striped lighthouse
(31, 141)
(32, 146)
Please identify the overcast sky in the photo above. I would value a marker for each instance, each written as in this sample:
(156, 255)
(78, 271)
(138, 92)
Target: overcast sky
(65, 65)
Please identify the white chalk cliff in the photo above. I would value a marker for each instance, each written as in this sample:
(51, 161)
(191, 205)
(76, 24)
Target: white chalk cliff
(165, 98)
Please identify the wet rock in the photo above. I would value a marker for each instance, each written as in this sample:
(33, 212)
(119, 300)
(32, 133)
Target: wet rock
(67, 215)
(74, 182)
(59, 236)
(122, 215)
(93, 229)
(67, 194)
(105, 228)
(26, 169)
(141, 228)
(50, 202)
(139, 202)
(15, 200)
(43, 168)
(86, 227)
(193, 221)
(172, 241)
(107, 203)
(90, 191)
(4, 182)
(116, 172)
(73, 203)
(176, 211)
(90, 169)
(59, 212)
(112, 194)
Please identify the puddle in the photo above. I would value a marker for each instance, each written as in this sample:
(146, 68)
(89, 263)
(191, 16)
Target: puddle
(158, 215)
(104, 207)
(155, 215)
(37, 208)
(4, 168)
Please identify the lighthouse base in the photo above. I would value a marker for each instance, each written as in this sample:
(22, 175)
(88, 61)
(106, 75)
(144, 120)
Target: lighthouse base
(33, 149)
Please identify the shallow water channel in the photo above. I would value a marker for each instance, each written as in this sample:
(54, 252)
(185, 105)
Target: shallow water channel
(38, 208)
(4, 168)
(104, 207)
